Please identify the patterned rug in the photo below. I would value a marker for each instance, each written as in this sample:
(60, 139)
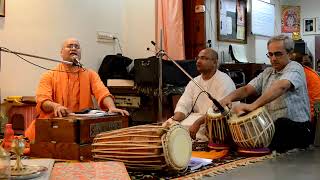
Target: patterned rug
(218, 166)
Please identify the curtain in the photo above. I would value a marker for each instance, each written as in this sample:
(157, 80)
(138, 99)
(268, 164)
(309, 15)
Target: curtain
(169, 14)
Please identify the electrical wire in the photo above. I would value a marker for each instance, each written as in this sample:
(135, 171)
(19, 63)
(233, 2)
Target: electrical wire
(120, 48)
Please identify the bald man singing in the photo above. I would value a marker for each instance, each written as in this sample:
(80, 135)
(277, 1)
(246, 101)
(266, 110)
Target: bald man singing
(69, 88)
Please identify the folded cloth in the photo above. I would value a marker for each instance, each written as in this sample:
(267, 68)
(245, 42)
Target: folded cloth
(214, 154)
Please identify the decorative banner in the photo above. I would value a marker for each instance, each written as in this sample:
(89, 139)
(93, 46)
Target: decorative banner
(290, 19)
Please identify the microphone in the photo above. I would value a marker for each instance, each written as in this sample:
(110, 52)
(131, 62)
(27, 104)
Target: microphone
(76, 61)
(160, 52)
(214, 101)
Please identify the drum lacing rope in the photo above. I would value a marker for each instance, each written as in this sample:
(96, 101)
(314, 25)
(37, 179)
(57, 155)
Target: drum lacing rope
(165, 139)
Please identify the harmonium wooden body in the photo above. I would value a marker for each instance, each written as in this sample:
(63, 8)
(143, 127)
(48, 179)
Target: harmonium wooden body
(71, 137)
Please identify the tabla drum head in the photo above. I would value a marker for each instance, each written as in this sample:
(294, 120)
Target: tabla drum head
(234, 119)
(213, 114)
(253, 130)
(178, 147)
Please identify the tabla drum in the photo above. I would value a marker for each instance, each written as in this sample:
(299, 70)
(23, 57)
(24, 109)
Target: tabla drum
(147, 147)
(218, 130)
(252, 131)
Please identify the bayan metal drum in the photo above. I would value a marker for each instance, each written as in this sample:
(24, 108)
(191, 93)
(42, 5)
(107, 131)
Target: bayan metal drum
(147, 147)
(218, 130)
(252, 131)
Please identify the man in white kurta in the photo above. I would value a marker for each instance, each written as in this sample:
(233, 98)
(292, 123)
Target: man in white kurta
(213, 81)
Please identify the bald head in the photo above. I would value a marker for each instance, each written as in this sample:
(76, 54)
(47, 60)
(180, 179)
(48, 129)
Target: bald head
(207, 61)
(70, 49)
(67, 41)
(211, 53)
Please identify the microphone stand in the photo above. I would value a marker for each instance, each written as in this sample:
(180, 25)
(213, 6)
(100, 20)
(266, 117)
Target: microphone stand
(215, 102)
(34, 56)
(160, 81)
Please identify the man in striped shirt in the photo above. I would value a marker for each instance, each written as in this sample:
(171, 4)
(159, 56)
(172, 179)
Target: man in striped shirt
(283, 91)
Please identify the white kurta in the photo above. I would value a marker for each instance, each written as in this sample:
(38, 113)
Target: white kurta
(219, 86)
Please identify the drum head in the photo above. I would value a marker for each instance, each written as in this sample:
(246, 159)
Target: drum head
(178, 147)
(213, 114)
(234, 119)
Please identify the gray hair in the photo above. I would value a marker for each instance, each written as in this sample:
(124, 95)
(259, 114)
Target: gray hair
(287, 42)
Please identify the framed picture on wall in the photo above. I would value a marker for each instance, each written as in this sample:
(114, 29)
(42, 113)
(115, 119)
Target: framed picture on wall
(309, 26)
(318, 25)
(290, 19)
(232, 21)
(2, 8)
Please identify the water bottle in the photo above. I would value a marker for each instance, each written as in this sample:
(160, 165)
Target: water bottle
(5, 168)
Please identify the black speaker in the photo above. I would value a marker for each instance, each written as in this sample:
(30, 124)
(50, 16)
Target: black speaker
(174, 76)
(146, 71)
(300, 47)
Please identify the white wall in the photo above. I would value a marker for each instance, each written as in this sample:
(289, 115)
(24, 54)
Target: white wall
(139, 27)
(39, 27)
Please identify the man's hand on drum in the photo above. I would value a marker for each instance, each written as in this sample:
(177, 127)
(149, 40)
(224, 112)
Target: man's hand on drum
(168, 122)
(225, 102)
(242, 108)
(194, 128)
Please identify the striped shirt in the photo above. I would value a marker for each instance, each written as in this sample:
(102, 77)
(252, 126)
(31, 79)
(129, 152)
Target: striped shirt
(294, 104)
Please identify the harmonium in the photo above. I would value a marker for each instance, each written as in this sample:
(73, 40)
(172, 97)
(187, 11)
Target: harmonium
(71, 137)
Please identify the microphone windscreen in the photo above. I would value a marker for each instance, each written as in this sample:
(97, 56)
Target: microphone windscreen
(75, 57)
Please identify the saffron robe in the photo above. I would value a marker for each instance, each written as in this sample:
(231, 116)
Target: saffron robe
(72, 89)
(313, 86)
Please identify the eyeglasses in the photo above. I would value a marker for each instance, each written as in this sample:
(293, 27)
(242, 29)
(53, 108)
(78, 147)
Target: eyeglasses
(277, 54)
(70, 46)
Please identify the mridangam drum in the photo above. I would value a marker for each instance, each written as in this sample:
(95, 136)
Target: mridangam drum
(147, 147)
(218, 130)
(254, 130)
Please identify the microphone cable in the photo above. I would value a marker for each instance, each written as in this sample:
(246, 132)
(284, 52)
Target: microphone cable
(194, 104)
(34, 64)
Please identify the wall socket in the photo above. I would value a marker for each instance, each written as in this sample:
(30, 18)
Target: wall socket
(105, 37)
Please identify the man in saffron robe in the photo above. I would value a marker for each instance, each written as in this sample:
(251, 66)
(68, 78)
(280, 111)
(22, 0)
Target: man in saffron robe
(312, 79)
(69, 88)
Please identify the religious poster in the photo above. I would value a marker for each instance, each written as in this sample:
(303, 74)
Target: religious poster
(241, 8)
(290, 19)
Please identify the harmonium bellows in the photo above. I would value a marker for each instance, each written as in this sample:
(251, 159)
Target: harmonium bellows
(71, 137)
